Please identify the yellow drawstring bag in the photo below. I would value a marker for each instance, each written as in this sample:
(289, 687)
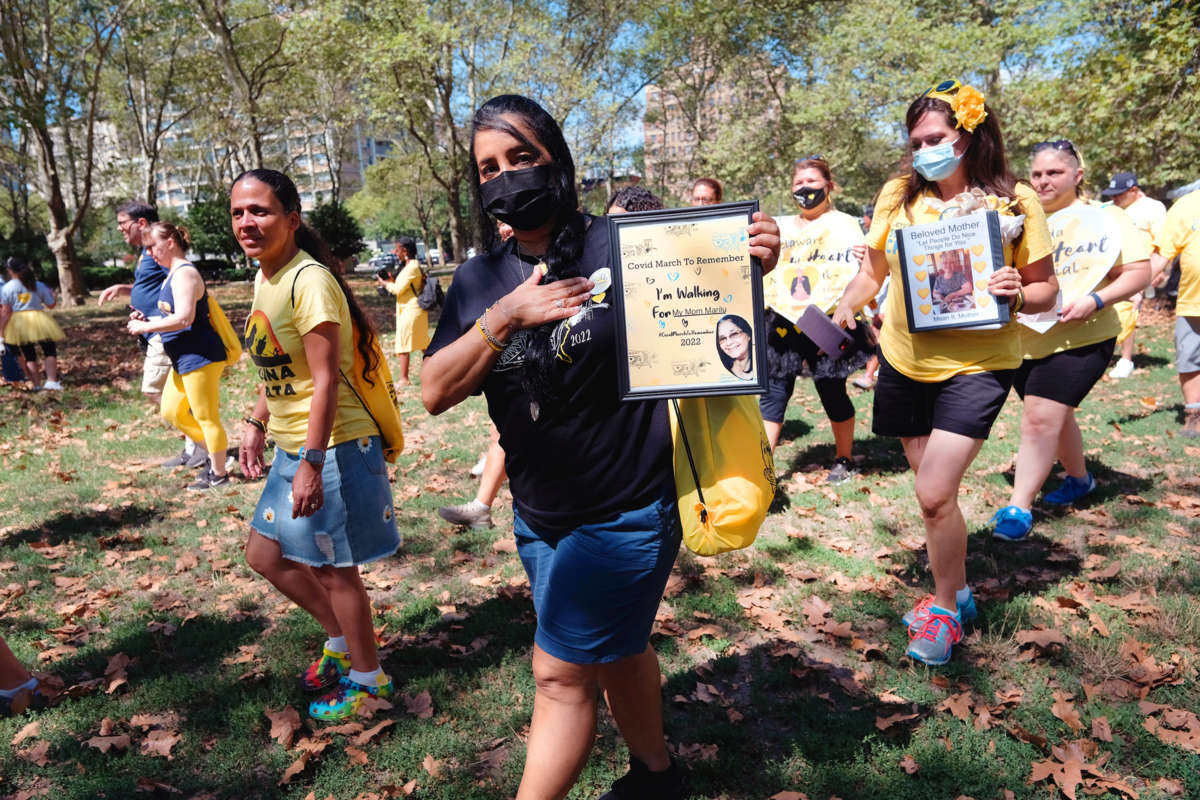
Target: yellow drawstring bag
(378, 397)
(376, 392)
(220, 323)
(724, 472)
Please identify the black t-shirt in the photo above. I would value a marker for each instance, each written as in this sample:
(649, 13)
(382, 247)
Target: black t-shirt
(596, 456)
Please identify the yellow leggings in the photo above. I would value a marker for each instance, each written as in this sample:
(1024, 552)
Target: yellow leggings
(192, 403)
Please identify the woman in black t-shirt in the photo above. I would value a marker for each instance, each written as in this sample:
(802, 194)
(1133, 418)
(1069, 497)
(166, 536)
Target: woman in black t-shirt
(531, 324)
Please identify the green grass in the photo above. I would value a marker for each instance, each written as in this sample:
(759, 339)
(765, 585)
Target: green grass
(104, 553)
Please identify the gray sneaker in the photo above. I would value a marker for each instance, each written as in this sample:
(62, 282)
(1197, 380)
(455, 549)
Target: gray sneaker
(842, 470)
(198, 458)
(176, 460)
(473, 514)
(206, 480)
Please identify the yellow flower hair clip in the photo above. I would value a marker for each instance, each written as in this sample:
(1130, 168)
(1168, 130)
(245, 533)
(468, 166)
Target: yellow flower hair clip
(966, 102)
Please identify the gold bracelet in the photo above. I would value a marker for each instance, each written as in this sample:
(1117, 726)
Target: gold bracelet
(1020, 302)
(250, 419)
(491, 340)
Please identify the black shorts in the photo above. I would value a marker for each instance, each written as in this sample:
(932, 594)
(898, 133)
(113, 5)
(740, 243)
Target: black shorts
(1065, 377)
(964, 404)
(832, 392)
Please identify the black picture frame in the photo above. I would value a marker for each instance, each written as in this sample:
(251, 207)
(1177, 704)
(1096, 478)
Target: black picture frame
(909, 274)
(628, 289)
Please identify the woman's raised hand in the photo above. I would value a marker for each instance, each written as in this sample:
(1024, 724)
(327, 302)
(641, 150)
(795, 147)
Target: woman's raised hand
(532, 303)
(764, 240)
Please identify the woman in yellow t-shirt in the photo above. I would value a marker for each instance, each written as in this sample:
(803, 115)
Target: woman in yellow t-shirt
(789, 351)
(412, 321)
(940, 391)
(1062, 365)
(326, 507)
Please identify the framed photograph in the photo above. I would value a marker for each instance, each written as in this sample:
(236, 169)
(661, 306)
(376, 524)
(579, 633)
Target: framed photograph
(816, 261)
(690, 303)
(945, 267)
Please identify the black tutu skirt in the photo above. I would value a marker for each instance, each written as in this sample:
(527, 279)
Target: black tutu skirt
(791, 353)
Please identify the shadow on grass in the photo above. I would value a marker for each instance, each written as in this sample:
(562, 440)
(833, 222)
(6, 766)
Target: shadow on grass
(1110, 483)
(803, 723)
(75, 525)
(880, 456)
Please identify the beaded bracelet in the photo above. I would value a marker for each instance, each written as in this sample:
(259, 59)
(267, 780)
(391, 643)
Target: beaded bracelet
(256, 422)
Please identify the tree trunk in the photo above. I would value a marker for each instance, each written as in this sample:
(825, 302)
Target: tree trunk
(70, 275)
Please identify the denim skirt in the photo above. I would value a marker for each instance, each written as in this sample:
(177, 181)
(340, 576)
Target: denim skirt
(356, 523)
(596, 588)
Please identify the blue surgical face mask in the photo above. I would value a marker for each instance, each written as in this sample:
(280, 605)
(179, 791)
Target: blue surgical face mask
(937, 162)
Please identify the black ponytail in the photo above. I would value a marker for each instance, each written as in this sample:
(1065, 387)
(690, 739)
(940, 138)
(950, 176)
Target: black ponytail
(542, 367)
(22, 270)
(311, 242)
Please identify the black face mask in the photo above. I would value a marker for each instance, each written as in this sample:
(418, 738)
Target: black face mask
(521, 197)
(809, 198)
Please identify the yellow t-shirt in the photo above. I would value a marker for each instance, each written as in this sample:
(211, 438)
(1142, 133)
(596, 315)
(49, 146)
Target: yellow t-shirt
(1180, 236)
(1105, 323)
(934, 356)
(274, 332)
(833, 275)
(407, 284)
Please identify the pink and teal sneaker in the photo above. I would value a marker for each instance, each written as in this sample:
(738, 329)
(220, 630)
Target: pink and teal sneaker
(345, 700)
(932, 642)
(325, 671)
(914, 619)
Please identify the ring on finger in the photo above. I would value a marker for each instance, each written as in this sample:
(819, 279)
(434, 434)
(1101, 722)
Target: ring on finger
(562, 303)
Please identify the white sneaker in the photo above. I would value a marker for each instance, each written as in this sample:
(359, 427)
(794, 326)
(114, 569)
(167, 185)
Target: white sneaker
(473, 514)
(52, 386)
(477, 470)
(1123, 369)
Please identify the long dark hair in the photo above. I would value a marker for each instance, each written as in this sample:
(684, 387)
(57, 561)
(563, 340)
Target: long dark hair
(986, 162)
(310, 242)
(541, 368)
(22, 270)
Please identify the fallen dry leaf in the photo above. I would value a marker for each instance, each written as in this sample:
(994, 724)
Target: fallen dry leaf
(883, 723)
(431, 765)
(38, 754)
(106, 743)
(1066, 711)
(356, 756)
(284, 724)
(909, 764)
(31, 730)
(295, 768)
(158, 743)
(370, 734)
(1101, 729)
(419, 705)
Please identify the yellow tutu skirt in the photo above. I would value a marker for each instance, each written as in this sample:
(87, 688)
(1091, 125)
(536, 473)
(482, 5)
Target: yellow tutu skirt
(1128, 316)
(31, 327)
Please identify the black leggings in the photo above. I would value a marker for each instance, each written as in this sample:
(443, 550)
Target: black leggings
(832, 391)
(29, 351)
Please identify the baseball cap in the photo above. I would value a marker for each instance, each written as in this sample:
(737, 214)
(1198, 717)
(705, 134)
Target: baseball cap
(1121, 182)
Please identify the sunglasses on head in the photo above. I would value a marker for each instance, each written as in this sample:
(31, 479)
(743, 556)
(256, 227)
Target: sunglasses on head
(1058, 144)
(945, 87)
(813, 157)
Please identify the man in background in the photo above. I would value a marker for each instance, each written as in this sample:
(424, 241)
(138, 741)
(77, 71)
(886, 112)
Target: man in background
(1147, 215)
(134, 220)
